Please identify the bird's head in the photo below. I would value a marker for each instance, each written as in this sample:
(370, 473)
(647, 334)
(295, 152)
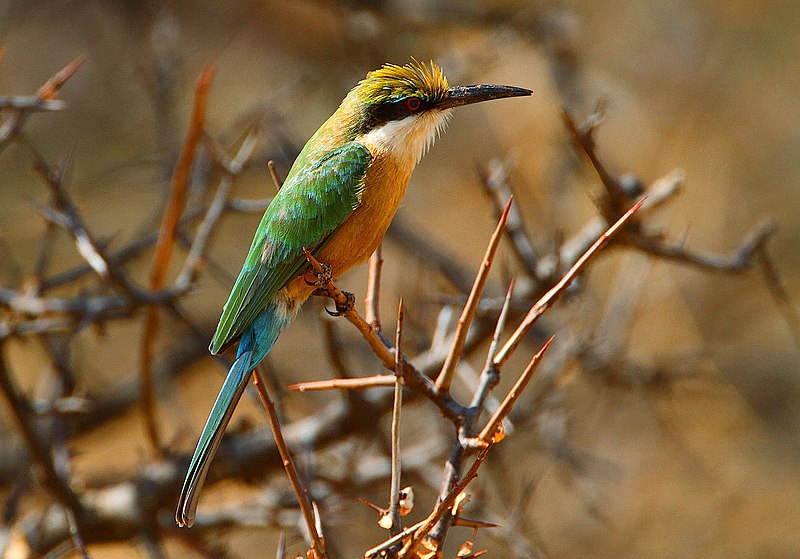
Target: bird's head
(402, 109)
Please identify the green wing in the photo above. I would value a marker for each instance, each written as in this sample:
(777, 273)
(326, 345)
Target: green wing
(313, 202)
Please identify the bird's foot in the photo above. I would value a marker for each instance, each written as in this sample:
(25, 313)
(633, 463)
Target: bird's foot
(320, 279)
(343, 307)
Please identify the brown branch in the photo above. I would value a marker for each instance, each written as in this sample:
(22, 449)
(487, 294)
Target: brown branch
(273, 172)
(444, 505)
(445, 378)
(163, 251)
(344, 383)
(508, 403)
(495, 184)
(394, 494)
(303, 498)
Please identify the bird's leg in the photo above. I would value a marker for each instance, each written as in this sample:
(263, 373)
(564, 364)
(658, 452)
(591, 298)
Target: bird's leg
(321, 278)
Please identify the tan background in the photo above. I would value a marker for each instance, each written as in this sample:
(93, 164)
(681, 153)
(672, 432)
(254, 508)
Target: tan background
(704, 464)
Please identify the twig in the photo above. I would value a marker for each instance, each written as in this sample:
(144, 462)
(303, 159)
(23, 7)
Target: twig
(194, 259)
(617, 198)
(445, 378)
(30, 103)
(66, 216)
(344, 383)
(501, 324)
(163, 251)
(280, 553)
(394, 495)
(23, 414)
(273, 172)
(302, 494)
(495, 184)
(372, 300)
(11, 127)
(508, 403)
(740, 261)
(75, 534)
(391, 542)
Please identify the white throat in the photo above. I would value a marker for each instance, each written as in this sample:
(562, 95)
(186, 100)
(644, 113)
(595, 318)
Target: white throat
(408, 138)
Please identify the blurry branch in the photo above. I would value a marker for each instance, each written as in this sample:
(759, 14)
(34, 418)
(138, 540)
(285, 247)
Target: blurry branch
(163, 251)
(39, 448)
(780, 293)
(45, 99)
(750, 252)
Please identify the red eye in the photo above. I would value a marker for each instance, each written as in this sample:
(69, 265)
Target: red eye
(413, 104)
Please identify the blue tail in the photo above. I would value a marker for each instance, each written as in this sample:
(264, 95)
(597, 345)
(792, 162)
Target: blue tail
(255, 343)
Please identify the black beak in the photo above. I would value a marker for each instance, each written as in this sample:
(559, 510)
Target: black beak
(467, 94)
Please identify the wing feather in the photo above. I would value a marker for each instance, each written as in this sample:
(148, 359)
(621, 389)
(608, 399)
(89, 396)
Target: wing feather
(308, 208)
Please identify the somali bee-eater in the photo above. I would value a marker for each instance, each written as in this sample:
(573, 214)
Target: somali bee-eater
(337, 202)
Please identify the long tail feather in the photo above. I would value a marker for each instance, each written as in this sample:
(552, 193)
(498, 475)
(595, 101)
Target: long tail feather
(255, 343)
(229, 395)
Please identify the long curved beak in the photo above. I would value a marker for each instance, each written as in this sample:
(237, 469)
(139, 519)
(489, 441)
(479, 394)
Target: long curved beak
(467, 94)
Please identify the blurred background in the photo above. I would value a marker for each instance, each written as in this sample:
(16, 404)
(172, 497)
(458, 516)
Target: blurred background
(684, 443)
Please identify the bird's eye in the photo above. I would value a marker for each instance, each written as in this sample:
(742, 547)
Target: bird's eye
(413, 104)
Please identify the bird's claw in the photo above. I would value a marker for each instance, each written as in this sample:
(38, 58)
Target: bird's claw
(343, 308)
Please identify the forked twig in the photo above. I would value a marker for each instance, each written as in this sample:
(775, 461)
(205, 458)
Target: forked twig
(508, 403)
(445, 504)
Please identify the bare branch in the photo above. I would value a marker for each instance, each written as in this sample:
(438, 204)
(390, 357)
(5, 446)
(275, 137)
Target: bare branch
(508, 403)
(303, 498)
(163, 251)
(445, 378)
(394, 495)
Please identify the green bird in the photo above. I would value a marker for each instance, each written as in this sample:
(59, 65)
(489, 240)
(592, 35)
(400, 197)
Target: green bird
(337, 202)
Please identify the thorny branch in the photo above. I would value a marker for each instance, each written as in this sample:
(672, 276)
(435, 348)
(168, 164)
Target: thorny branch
(120, 509)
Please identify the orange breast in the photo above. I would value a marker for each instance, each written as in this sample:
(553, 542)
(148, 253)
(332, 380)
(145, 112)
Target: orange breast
(359, 236)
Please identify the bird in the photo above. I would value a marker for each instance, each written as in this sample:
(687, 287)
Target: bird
(337, 202)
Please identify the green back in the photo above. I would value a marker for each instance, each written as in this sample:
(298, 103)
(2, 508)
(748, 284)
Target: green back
(315, 199)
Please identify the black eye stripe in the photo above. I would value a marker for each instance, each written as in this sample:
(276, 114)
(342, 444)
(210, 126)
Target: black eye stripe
(396, 110)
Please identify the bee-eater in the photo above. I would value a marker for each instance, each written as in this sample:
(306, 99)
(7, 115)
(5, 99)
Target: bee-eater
(337, 202)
